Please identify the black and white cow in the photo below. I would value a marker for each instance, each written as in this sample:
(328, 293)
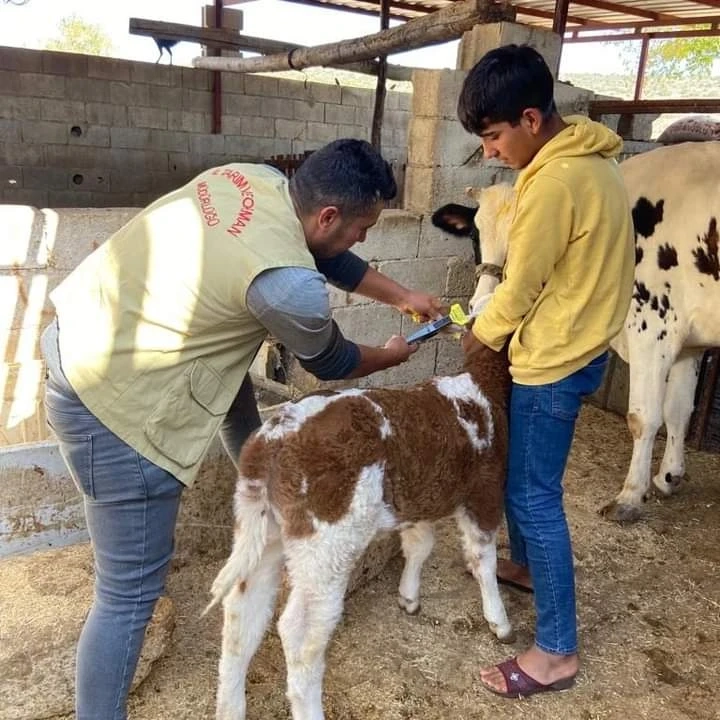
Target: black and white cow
(673, 318)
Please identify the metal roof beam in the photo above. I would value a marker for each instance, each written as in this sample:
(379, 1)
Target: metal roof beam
(622, 9)
(668, 35)
(546, 15)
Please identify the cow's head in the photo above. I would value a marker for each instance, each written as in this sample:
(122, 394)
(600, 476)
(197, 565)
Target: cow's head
(488, 227)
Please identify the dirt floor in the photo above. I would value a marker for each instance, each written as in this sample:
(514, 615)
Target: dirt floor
(649, 613)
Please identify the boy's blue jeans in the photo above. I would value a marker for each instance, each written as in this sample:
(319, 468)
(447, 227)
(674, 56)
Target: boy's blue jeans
(542, 424)
(131, 506)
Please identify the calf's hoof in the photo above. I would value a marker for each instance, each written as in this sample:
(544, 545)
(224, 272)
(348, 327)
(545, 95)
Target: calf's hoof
(667, 484)
(621, 513)
(505, 635)
(411, 607)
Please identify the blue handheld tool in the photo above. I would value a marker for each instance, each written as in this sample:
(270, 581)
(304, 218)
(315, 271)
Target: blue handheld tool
(429, 330)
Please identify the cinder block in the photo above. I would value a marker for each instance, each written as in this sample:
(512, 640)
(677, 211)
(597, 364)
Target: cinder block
(167, 98)
(40, 85)
(324, 92)
(239, 105)
(11, 176)
(197, 78)
(20, 108)
(72, 198)
(298, 147)
(262, 85)
(371, 324)
(138, 160)
(395, 236)
(106, 114)
(571, 100)
(198, 100)
(436, 141)
(209, 144)
(275, 107)
(44, 178)
(290, 129)
(255, 126)
(294, 90)
(460, 277)
(67, 110)
(364, 116)
(483, 38)
(426, 274)
(450, 358)
(10, 82)
(104, 68)
(95, 180)
(322, 132)
(93, 135)
(252, 149)
(189, 122)
(67, 156)
(308, 110)
(420, 366)
(20, 196)
(130, 137)
(129, 95)
(340, 114)
(358, 97)
(10, 131)
(64, 63)
(150, 73)
(436, 93)
(170, 140)
(436, 243)
(41, 131)
(231, 82)
(146, 117)
(87, 89)
(21, 60)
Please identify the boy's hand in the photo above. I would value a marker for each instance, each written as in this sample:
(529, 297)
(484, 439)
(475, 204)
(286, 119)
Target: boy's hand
(400, 348)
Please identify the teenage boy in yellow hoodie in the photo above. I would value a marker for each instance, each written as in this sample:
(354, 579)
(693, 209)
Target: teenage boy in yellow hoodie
(566, 289)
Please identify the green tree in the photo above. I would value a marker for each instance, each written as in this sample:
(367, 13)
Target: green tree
(674, 57)
(76, 35)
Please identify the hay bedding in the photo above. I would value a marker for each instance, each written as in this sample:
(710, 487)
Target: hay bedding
(649, 608)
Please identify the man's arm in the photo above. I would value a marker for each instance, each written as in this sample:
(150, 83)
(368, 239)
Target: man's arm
(292, 303)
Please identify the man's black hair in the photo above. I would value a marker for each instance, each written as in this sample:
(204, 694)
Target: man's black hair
(347, 173)
(505, 82)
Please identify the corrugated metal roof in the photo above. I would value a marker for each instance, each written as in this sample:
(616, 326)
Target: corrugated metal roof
(583, 15)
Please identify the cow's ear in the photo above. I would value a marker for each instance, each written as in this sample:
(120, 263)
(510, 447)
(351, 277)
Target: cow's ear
(455, 219)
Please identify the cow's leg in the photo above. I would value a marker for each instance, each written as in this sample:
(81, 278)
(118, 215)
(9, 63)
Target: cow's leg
(417, 543)
(679, 403)
(480, 550)
(313, 610)
(649, 369)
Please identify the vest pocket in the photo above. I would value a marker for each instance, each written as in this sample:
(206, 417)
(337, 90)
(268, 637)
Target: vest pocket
(183, 424)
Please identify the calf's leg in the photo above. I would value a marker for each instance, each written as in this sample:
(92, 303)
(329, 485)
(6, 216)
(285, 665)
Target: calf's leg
(417, 544)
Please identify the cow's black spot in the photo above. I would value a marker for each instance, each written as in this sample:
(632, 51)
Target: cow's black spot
(643, 326)
(665, 301)
(667, 285)
(706, 258)
(662, 334)
(667, 257)
(654, 303)
(646, 216)
(638, 254)
(642, 294)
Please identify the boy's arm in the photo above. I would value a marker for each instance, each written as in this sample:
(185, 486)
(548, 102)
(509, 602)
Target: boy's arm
(539, 236)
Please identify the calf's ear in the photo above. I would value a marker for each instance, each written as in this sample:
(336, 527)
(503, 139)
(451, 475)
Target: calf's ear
(455, 219)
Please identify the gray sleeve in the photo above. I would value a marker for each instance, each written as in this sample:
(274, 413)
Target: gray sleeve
(292, 303)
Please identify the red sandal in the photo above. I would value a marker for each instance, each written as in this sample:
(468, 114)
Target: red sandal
(520, 685)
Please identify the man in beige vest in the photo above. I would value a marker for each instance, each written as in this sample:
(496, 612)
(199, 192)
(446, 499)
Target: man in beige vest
(149, 353)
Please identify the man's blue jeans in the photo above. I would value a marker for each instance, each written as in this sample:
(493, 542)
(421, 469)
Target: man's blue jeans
(131, 506)
(542, 424)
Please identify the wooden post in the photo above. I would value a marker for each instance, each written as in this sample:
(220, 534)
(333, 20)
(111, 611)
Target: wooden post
(640, 78)
(380, 87)
(560, 17)
(437, 27)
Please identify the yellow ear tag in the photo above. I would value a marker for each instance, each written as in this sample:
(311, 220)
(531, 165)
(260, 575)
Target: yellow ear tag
(458, 316)
(416, 317)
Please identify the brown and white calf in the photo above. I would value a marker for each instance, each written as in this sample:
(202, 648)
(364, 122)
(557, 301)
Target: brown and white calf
(322, 478)
(673, 318)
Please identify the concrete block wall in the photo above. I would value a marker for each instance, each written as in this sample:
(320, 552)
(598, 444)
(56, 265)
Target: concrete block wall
(83, 131)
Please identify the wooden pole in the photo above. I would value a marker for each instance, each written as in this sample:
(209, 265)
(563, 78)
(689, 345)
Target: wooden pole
(640, 78)
(217, 76)
(230, 40)
(380, 88)
(437, 27)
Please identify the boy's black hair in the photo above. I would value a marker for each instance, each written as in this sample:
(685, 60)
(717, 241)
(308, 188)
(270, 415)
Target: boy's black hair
(503, 83)
(350, 174)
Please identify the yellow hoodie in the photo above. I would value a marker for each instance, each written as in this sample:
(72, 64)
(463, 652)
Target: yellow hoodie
(569, 271)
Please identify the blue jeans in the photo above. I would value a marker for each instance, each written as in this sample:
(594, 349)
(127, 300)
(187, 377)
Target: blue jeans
(131, 506)
(542, 424)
